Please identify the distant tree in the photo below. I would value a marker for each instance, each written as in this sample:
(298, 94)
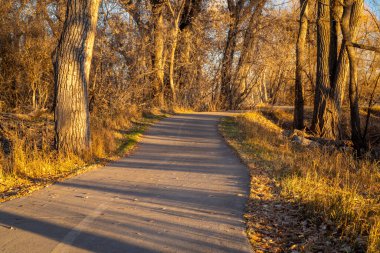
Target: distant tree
(234, 88)
(182, 14)
(186, 70)
(175, 11)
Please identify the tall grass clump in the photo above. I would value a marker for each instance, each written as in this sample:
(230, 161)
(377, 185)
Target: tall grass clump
(28, 157)
(330, 183)
(30, 160)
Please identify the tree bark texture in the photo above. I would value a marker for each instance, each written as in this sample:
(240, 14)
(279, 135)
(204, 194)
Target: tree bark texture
(352, 14)
(325, 118)
(342, 70)
(158, 56)
(72, 70)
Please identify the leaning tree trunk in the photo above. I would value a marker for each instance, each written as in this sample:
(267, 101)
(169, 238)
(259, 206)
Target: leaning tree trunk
(172, 63)
(72, 71)
(351, 14)
(325, 118)
(158, 55)
(300, 64)
(340, 80)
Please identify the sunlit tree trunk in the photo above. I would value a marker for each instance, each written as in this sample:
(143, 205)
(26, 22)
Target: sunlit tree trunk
(176, 16)
(340, 81)
(300, 64)
(72, 70)
(158, 55)
(263, 88)
(342, 71)
(172, 62)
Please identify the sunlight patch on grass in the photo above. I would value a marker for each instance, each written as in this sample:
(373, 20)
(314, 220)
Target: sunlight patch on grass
(180, 109)
(262, 121)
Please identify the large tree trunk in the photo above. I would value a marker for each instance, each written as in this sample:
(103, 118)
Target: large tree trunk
(72, 70)
(158, 55)
(328, 119)
(298, 122)
(325, 117)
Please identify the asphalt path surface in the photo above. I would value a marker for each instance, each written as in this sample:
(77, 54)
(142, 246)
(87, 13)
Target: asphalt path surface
(182, 190)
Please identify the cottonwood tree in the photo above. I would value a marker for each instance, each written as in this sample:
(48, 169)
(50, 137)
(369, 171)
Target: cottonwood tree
(182, 14)
(333, 68)
(158, 51)
(72, 72)
(325, 121)
(233, 85)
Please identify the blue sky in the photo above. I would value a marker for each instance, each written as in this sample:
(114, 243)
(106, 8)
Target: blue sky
(374, 5)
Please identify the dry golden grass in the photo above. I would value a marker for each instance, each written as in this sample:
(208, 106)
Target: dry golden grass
(330, 183)
(32, 161)
(180, 109)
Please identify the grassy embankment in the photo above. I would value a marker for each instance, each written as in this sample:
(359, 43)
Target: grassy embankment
(331, 184)
(28, 160)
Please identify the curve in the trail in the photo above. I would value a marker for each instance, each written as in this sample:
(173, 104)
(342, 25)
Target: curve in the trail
(182, 190)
